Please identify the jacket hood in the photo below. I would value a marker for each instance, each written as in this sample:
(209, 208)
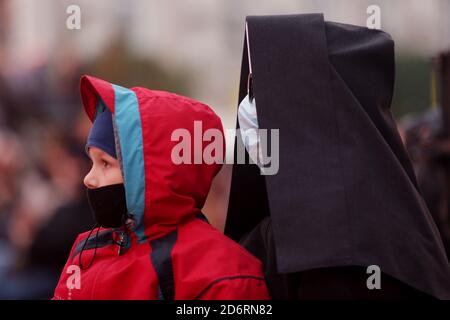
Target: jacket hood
(160, 194)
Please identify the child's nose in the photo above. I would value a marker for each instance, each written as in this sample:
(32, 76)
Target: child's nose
(90, 180)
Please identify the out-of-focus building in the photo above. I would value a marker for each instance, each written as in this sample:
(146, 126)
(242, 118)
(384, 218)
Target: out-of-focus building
(203, 35)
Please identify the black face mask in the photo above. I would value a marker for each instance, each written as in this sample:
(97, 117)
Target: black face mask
(108, 205)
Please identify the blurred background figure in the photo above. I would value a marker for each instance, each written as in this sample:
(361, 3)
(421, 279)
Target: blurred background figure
(427, 139)
(192, 48)
(430, 155)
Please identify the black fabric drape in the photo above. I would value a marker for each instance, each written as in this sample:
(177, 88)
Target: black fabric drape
(345, 193)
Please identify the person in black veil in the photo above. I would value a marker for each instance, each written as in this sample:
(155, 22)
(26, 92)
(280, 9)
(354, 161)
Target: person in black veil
(345, 196)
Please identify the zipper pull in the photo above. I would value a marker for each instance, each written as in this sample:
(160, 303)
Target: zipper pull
(119, 251)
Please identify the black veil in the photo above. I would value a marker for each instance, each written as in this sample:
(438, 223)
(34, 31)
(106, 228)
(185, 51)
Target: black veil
(345, 193)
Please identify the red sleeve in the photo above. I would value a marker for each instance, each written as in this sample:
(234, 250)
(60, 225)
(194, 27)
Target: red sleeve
(237, 288)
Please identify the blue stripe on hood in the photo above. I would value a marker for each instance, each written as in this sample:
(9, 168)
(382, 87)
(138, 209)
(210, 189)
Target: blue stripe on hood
(128, 125)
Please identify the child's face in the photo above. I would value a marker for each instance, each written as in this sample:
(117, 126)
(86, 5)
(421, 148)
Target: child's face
(105, 170)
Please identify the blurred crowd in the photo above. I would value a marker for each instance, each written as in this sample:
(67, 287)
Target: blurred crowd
(42, 201)
(429, 149)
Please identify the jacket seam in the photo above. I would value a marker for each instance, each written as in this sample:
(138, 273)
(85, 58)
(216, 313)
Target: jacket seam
(209, 286)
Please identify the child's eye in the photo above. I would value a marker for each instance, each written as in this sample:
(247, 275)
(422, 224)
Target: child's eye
(105, 164)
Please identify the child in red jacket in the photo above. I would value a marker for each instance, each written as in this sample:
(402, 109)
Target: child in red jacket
(152, 240)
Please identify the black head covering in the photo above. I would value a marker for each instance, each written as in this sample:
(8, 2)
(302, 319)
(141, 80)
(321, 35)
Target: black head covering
(345, 193)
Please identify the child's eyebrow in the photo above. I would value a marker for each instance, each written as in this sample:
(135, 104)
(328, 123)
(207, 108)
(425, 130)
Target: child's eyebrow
(88, 156)
(108, 159)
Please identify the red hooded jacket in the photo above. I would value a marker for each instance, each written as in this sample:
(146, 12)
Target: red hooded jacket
(172, 252)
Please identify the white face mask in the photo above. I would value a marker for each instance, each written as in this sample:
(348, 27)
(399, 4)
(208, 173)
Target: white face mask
(248, 123)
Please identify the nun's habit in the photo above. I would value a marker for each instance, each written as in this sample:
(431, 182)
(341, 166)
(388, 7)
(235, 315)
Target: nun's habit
(345, 194)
